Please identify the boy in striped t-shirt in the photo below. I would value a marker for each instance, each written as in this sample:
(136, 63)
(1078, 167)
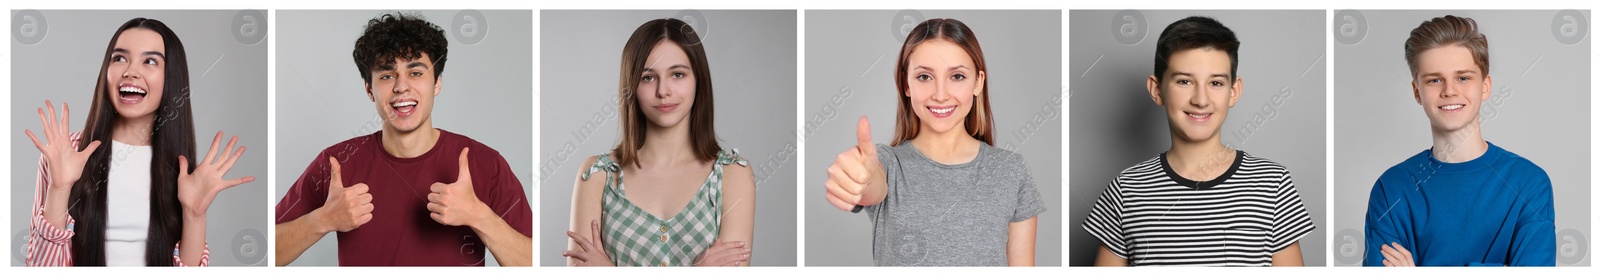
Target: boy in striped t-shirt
(1200, 203)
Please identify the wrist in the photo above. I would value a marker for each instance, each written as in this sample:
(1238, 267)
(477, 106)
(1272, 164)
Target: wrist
(61, 184)
(484, 217)
(318, 221)
(190, 214)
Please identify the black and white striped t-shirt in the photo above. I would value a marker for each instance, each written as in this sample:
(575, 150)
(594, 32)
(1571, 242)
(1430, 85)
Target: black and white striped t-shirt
(1151, 216)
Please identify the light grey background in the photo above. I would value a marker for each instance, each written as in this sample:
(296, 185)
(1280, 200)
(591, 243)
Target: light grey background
(1115, 125)
(485, 91)
(850, 63)
(1544, 114)
(229, 83)
(752, 56)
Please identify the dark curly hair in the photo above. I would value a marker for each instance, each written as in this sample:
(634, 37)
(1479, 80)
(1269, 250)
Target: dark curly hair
(398, 35)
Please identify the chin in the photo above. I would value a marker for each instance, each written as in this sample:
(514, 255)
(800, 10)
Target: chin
(130, 112)
(1198, 135)
(404, 127)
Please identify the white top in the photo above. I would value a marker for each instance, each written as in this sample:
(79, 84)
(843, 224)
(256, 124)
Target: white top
(128, 204)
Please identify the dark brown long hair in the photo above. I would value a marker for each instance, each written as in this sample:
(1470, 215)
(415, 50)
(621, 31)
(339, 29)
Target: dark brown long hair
(980, 122)
(702, 132)
(172, 136)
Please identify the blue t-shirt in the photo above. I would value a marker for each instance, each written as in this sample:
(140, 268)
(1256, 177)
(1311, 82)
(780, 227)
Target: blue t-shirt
(1493, 210)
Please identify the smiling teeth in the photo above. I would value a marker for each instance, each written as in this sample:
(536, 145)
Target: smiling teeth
(131, 90)
(1198, 116)
(1452, 106)
(404, 104)
(942, 110)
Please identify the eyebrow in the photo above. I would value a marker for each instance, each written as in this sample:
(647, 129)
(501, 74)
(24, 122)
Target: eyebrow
(952, 68)
(674, 66)
(390, 67)
(1192, 75)
(1458, 72)
(155, 53)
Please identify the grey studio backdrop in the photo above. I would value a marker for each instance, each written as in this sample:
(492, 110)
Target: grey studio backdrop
(56, 55)
(1539, 109)
(1281, 115)
(850, 63)
(485, 91)
(752, 56)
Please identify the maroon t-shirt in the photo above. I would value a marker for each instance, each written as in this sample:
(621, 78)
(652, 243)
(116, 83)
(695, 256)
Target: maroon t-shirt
(401, 233)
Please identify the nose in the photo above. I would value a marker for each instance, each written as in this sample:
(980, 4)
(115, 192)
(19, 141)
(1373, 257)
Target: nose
(1201, 98)
(662, 90)
(402, 85)
(939, 90)
(130, 72)
(1450, 90)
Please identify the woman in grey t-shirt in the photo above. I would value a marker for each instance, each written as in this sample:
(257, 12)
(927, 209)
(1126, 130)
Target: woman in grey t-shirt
(940, 193)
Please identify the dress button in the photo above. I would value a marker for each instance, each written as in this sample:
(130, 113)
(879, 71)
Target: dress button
(663, 237)
(663, 263)
(663, 229)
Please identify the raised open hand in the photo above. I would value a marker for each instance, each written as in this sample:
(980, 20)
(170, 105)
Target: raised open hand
(197, 188)
(65, 162)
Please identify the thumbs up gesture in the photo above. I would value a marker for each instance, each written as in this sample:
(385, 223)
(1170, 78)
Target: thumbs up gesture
(455, 204)
(856, 177)
(347, 208)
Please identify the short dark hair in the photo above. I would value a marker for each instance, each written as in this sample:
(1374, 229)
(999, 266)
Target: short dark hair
(396, 35)
(1192, 33)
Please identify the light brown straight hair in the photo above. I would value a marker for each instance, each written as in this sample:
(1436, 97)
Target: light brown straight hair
(980, 122)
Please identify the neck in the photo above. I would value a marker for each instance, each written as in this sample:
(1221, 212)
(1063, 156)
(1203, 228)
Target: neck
(1460, 145)
(133, 131)
(409, 144)
(951, 147)
(1203, 158)
(664, 146)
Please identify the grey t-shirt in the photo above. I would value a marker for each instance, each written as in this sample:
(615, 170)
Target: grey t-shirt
(950, 215)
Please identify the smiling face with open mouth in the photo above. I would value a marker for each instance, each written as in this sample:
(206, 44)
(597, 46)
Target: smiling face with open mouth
(136, 73)
(403, 92)
(1197, 91)
(1449, 86)
(942, 84)
(667, 87)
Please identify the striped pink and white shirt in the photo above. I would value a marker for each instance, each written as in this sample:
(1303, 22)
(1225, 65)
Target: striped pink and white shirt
(49, 245)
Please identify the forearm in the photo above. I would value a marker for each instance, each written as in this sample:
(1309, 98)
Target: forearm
(510, 248)
(193, 243)
(294, 237)
(55, 207)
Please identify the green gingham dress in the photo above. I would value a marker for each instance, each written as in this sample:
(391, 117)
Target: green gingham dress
(633, 237)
